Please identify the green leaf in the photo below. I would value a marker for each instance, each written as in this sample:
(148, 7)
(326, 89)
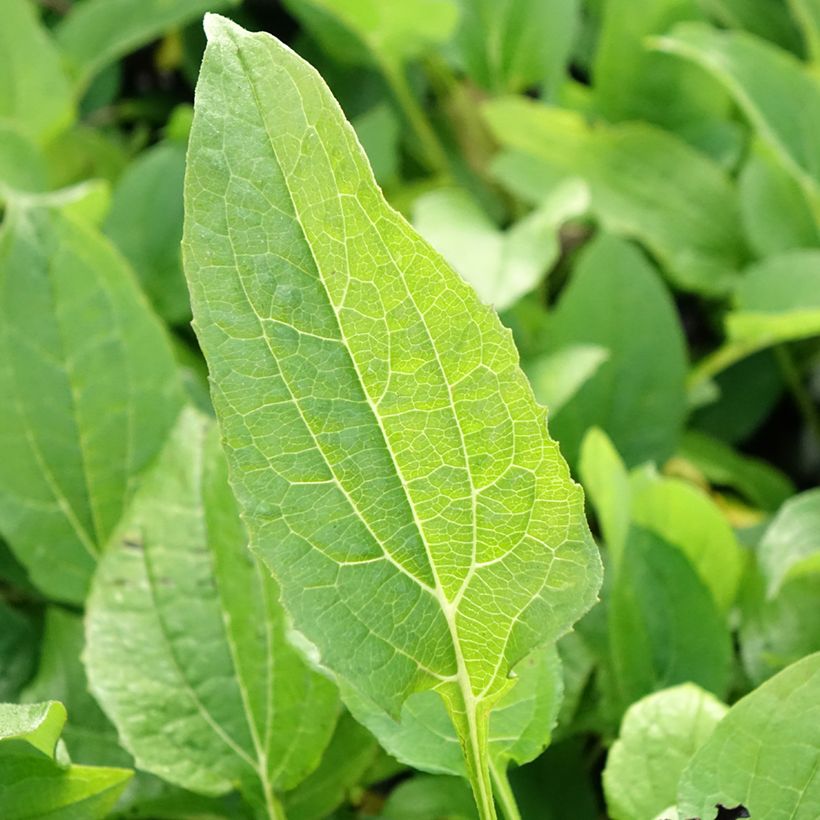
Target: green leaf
(22, 167)
(92, 391)
(807, 13)
(96, 33)
(145, 223)
(424, 737)
(777, 300)
(632, 82)
(18, 650)
(427, 796)
(186, 648)
(659, 736)
(606, 481)
(378, 132)
(33, 784)
(791, 545)
(764, 754)
(321, 313)
(556, 377)
(501, 265)
(687, 518)
(34, 93)
(350, 754)
(774, 90)
(763, 18)
(775, 632)
(776, 215)
(637, 395)
(758, 481)
(679, 203)
(514, 45)
(664, 626)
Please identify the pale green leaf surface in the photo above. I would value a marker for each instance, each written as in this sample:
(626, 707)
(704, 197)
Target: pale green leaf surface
(765, 754)
(664, 626)
(777, 94)
(145, 223)
(349, 755)
(637, 395)
(606, 481)
(632, 82)
(34, 785)
(514, 45)
(775, 632)
(34, 92)
(658, 737)
(392, 465)
(91, 391)
(424, 737)
(756, 480)
(501, 265)
(97, 32)
(776, 215)
(645, 184)
(186, 648)
(556, 377)
(687, 518)
(22, 167)
(777, 300)
(791, 544)
(429, 796)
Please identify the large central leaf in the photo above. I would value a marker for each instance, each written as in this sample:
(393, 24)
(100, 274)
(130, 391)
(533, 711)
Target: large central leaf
(392, 465)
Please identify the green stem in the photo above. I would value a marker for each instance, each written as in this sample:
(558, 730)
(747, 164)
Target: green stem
(477, 757)
(504, 793)
(794, 381)
(435, 156)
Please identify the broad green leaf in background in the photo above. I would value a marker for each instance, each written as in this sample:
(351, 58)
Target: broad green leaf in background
(426, 796)
(777, 300)
(616, 300)
(95, 33)
(764, 754)
(632, 82)
(645, 184)
(556, 377)
(791, 544)
(392, 465)
(776, 215)
(18, 650)
(807, 14)
(350, 753)
(687, 518)
(34, 784)
(756, 480)
(775, 632)
(774, 90)
(378, 132)
(501, 265)
(763, 18)
(22, 167)
(91, 392)
(34, 92)
(664, 626)
(145, 222)
(606, 482)
(658, 737)
(514, 45)
(208, 695)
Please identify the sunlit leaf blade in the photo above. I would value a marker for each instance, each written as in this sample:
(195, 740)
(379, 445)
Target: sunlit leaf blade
(645, 184)
(764, 754)
(773, 89)
(95, 33)
(658, 737)
(186, 650)
(391, 463)
(34, 784)
(91, 391)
